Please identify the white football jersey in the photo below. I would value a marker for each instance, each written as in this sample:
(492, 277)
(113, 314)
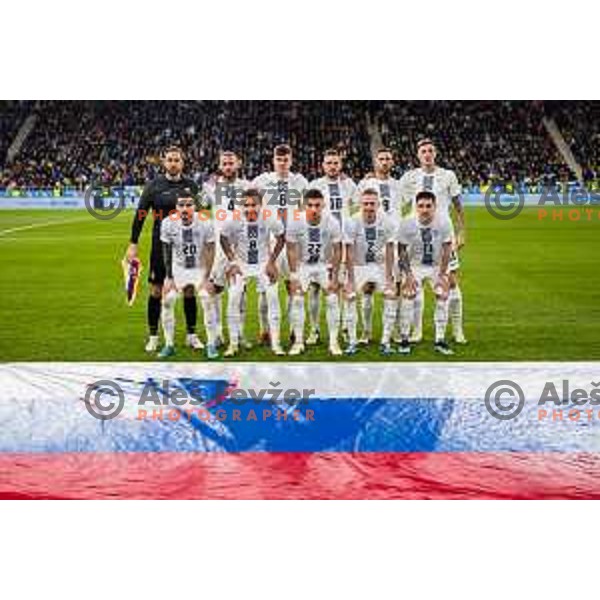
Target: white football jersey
(425, 242)
(188, 240)
(390, 198)
(442, 182)
(316, 241)
(281, 195)
(339, 195)
(369, 240)
(220, 193)
(251, 240)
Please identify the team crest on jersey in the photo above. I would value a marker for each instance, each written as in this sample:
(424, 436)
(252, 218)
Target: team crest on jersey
(314, 234)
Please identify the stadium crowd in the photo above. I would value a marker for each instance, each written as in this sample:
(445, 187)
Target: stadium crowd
(579, 123)
(118, 143)
(12, 114)
(482, 141)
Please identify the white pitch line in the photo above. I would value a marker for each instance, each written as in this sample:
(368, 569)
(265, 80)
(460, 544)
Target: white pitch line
(36, 225)
(54, 238)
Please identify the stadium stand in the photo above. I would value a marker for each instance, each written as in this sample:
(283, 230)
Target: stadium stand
(12, 115)
(118, 143)
(483, 141)
(580, 125)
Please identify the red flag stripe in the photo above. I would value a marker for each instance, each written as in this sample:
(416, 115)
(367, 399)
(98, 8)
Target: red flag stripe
(300, 475)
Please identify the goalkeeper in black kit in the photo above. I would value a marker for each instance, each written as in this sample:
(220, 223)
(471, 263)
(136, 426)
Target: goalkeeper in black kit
(160, 196)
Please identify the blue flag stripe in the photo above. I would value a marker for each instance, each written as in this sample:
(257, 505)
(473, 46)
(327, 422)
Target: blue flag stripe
(321, 424)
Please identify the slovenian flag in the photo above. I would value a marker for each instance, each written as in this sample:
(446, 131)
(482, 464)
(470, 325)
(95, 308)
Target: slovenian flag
(194, 430)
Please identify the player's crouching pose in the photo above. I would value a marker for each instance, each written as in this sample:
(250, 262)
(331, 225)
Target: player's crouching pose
(424, 249)
(367, 237)
(189, 251)
(313, 236)
(245, 239)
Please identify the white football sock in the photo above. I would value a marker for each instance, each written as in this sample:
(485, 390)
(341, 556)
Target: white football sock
(274, 311)
(367, 314)
(398, 324)
(406, 311)
(419, 306)
(234, 315)
(314, 305)
(455, 309)
(440, 319)
(208, 307)
(351, 319)
(168, 317)
(333, 317)
(297, 317)
(390, 309)
(219, 314)
(263, 312)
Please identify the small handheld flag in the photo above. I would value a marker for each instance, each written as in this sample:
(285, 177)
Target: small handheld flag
(131, 273)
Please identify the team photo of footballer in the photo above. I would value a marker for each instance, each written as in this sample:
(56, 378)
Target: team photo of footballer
(298, 231)
(329, 239)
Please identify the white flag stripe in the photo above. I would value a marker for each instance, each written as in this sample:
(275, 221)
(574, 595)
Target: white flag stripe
(357, 380)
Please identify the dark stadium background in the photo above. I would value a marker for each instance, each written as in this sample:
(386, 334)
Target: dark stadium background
(117, 143)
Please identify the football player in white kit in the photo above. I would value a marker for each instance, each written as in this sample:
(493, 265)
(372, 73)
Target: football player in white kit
(188, 242)
(246, 239)
(390, 199)
(444, 184)
(424, 249)
(282, 193)
(223, 192)
(367, 238)
(388, 187)
(339, 192)
(313, 237)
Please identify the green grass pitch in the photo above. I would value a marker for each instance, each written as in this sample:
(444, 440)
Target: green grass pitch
(530, 291)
